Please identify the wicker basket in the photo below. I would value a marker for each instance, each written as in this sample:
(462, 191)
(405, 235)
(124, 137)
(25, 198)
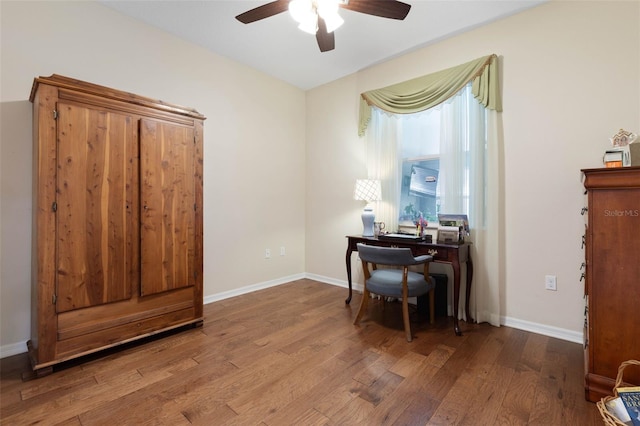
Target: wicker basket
(607, 417)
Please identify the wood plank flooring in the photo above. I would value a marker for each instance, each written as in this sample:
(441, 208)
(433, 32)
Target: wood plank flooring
(290, 355)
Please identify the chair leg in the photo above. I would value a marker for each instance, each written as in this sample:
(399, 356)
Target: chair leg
(405, 318)
(363, 305)
(432, 306)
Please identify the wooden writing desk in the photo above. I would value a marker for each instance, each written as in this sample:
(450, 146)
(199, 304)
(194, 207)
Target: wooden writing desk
(452, 254)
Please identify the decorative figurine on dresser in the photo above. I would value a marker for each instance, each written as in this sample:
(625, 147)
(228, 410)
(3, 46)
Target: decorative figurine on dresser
(612, 290)
(117, 226)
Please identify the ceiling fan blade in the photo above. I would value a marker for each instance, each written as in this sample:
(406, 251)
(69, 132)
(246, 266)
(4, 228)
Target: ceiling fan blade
(264, 11)
(384, 8)
(326, 40)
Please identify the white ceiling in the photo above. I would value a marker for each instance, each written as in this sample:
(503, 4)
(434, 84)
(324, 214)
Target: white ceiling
(277, 47)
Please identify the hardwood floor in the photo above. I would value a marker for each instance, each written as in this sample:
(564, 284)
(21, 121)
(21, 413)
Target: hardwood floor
(290, 355)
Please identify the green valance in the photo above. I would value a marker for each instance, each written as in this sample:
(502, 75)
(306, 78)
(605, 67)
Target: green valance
(430, 90)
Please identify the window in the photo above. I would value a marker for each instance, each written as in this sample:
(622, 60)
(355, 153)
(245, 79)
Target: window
(435, 147)
(420, 152)
(418, 192)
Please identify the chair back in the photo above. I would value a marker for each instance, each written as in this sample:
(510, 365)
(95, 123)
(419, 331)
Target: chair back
(387, 255)
(400, 283)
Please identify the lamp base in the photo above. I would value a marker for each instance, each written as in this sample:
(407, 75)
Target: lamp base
(368, 217)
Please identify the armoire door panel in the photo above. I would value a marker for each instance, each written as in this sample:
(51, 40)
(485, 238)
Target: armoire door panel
(167, 235)
(96, 213)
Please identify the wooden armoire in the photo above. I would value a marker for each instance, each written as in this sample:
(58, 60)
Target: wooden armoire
(117, 219)
(612, 243)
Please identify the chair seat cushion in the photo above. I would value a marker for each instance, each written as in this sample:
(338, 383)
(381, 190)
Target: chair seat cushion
(388, 282)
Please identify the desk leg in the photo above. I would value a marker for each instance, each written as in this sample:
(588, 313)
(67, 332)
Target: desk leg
(468, 293)
(456, 296)
(348, 261)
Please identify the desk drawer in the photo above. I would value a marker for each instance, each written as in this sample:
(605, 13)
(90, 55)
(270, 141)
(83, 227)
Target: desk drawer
(440, 253)
(446, 254)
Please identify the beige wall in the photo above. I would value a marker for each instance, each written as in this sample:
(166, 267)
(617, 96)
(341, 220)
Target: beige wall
(571, 79)
(249, 204)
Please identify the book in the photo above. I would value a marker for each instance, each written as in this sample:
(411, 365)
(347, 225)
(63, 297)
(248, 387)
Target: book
(616, 407)
(630, 397)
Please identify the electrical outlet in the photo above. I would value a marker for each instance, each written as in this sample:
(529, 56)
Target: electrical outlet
(282, 251)
(550, 282)
(267, 253)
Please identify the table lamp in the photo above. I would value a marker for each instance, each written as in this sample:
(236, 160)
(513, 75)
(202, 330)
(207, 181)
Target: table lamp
(367, 190)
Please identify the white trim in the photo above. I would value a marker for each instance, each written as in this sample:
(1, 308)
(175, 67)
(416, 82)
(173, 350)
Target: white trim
(266, 284)
(13, 349)
(251, 288)
(545, 330)
(333, 281)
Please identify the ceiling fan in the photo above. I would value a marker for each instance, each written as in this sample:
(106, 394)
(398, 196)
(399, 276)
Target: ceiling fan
(320, 17)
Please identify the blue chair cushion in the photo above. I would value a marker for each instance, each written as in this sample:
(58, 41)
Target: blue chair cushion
(388, 282)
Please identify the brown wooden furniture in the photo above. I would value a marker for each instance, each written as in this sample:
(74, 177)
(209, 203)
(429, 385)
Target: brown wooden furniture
(117, 204)
(452, 254)
(612, 242)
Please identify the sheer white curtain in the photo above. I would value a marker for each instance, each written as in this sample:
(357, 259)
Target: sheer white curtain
(488, 249)
(469, 180)
(384, 163)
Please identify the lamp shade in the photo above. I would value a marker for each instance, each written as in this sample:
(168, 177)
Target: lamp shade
(367, 190)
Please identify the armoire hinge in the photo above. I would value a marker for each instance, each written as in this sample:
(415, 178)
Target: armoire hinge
(54, 207)
(54, 298)
(55, 114)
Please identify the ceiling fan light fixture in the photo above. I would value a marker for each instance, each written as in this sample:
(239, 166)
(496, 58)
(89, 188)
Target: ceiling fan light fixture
(306, 12)
(327, 7)
(328, 10)
(310, 25)
(301, 10)
(333, 22)
(321, 17)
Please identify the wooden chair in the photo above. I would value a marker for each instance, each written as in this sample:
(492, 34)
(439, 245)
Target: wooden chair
(399, 283)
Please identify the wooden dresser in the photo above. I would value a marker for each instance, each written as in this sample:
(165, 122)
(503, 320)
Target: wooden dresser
(612, 243)
(117, 219)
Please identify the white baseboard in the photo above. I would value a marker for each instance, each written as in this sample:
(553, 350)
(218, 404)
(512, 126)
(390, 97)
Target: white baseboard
(251, 288)
(13, 349)
(333, 281)
(545, 330)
